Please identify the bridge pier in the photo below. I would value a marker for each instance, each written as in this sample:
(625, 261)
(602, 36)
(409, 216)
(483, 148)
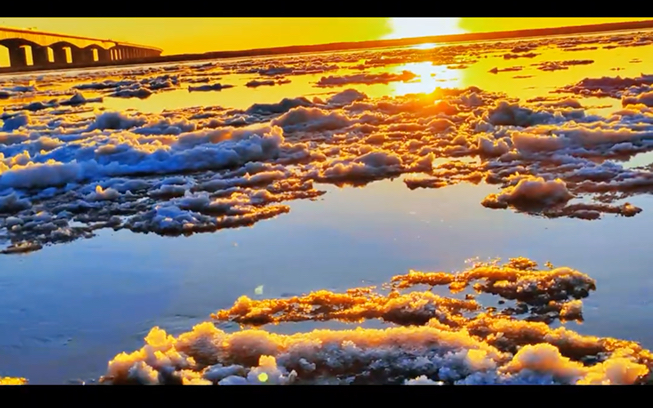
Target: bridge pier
(40, 57)
(17, 57)
(60, 56)
(103, 55)
(82, 55)
(119, 53)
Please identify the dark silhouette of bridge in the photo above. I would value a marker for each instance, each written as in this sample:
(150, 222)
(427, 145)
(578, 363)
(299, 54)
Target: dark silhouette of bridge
(50, 50)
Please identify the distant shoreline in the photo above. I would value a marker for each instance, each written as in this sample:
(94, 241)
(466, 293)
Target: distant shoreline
(346, 46)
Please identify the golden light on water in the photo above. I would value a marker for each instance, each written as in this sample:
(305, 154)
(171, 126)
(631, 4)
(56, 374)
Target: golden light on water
(429, 78)
(522, 103)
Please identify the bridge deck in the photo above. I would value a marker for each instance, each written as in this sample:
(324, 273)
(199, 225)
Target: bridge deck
(44, 38)
(53, 50)
(35, 32)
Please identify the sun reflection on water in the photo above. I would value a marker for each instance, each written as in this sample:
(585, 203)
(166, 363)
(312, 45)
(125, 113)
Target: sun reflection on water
(429, 78)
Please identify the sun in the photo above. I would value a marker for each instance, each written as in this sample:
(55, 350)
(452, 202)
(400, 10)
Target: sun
(405, 27)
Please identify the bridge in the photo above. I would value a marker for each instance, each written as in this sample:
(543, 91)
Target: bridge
(50, 50)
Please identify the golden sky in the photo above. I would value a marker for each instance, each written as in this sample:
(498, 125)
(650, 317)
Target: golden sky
(198, 35)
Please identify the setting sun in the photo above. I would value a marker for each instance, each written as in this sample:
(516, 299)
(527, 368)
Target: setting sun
(405, 27)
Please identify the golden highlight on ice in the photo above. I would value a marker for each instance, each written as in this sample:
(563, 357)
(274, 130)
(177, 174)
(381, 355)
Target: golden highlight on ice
(429, 339)
(12, 381)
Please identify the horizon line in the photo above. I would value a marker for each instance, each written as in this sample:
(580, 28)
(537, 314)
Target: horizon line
(354, 45)
(448, 38)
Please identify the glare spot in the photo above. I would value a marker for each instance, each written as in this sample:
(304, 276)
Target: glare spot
(424, 46)
(406, 27)
(263, 377)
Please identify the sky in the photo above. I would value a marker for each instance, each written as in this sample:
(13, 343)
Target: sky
(199, 35)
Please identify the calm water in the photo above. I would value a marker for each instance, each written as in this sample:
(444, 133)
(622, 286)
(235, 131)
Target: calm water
(68, 309)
